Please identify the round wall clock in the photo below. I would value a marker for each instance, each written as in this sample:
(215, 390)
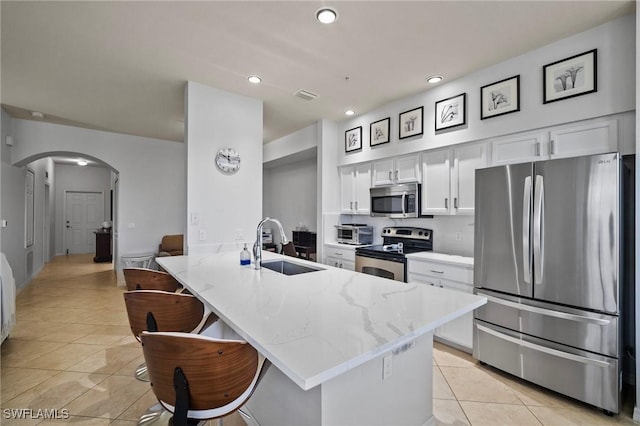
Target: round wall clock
(228, 160)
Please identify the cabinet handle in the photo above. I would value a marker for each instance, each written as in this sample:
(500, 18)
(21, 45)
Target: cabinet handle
(341, 265)
(337, 253)
(537, 149)
(335, 264)
(441, 286)
(390, 178)
(396, 175)
(552, 146)
(455, 202)
(350, 205)
(356, 205)
(437, 272)
(446, 203)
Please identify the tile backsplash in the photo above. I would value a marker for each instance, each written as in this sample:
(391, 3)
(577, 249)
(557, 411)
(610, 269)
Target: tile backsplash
(451, 234)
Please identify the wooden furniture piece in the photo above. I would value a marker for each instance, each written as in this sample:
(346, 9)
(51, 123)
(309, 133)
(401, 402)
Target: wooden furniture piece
(198, 378)
(305, 243)
(103, 246)
(137, 260)
(148, 279)
(153, 310)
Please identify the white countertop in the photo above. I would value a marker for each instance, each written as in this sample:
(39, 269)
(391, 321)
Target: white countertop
(346, 246)
(318, 325)
(442, 257)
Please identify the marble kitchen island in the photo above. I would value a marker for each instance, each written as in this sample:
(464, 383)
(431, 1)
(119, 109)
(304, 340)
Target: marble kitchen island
(346, 348)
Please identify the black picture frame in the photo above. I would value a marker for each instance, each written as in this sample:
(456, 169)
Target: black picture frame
(353, 139)
(379, 132)
(567, 78)
(500, 98)
(451, 112)
(410, 123)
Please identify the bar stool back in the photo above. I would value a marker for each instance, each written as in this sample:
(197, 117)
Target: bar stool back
(149, 279)
(198, 378)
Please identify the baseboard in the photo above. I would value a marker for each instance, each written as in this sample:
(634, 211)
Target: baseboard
(636, 413)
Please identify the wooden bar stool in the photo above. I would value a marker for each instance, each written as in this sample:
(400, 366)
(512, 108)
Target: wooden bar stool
(155, 310)
(149, 279)
(197, 378)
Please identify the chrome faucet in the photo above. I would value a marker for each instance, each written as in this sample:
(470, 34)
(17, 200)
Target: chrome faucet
(257, 246)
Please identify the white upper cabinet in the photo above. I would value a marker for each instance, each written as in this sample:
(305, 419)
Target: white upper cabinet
(396, 170)
(355, 182)
(585, 139)
(448, 184)
(594, 137)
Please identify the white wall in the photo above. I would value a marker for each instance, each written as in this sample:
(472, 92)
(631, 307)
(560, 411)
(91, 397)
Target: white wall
(81, 179)
(291, 146)
(290, 195)
(228, 207)
(616, 64)
(152, 176)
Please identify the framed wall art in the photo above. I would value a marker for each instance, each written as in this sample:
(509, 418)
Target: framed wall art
(410, 123)
(353, 139)
(570, 77)
(499, 98)
(379, 132)
(451, 112)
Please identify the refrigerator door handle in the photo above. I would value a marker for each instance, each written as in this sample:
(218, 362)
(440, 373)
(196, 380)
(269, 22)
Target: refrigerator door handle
(547, 312)
(544, 349)
(538, 228)
(526, 230)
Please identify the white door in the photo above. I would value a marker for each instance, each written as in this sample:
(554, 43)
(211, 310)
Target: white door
(84, 213)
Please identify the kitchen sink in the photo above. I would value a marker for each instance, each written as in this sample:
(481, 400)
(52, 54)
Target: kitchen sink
(289, 268)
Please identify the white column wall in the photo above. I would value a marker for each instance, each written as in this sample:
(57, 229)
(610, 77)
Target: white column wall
(223, 210)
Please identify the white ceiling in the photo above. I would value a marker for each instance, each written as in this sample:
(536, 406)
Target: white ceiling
(122, 66)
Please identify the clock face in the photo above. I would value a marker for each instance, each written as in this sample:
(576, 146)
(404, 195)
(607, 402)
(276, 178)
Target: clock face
(228, 160)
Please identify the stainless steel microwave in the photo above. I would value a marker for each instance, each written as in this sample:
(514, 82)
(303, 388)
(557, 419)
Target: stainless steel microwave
(396, 201)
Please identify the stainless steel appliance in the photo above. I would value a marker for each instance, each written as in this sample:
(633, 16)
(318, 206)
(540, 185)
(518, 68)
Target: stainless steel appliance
(388, 260)
(547, 238)
(354, 233)
(395, 201)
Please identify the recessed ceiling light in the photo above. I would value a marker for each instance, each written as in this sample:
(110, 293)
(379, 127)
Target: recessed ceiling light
(326, 15)
(349, 112)
(434, 79)
(37, 114)
(82, 162)
(255, 79)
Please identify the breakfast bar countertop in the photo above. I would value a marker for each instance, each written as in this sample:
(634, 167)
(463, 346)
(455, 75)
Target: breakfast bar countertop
(316, 325)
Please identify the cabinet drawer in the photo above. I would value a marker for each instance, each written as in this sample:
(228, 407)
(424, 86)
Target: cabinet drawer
(338, 253)
(441, 270)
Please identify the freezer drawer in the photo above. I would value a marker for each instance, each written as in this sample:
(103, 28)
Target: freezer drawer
(589, 331)
(590, 378)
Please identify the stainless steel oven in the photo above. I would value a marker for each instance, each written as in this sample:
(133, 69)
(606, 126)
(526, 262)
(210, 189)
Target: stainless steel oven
(389, 259)
(396, 201)
(354, 233)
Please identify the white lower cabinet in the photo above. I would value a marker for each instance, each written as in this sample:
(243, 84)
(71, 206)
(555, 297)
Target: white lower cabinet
(452, 276)
(340, 257)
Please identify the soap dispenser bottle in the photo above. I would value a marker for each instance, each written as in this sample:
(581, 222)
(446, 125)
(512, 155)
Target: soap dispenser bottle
(245, 256)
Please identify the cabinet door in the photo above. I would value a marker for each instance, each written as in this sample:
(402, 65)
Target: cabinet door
(436, 182)
(407, 169)
(466, 160)
(584, 139)
(362, 199)
(383, 172)
(347, 185)
(518, 149)
(458, 331)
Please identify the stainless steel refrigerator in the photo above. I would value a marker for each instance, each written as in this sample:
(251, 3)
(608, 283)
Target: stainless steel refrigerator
(547, 257)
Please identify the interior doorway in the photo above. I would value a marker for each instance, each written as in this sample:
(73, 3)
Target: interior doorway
(84, 213)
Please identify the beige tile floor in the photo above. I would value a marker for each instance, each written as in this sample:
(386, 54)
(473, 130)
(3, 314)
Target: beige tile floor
(72, 349)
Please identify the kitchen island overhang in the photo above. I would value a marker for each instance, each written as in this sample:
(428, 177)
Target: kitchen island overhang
(318, 326)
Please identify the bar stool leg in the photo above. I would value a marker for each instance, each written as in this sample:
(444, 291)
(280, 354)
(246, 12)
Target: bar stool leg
(141, 373)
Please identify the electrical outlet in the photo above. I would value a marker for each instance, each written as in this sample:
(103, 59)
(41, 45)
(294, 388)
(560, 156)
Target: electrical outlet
(386, 366)
(203, 234)
(3, 224)
(458, 236)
